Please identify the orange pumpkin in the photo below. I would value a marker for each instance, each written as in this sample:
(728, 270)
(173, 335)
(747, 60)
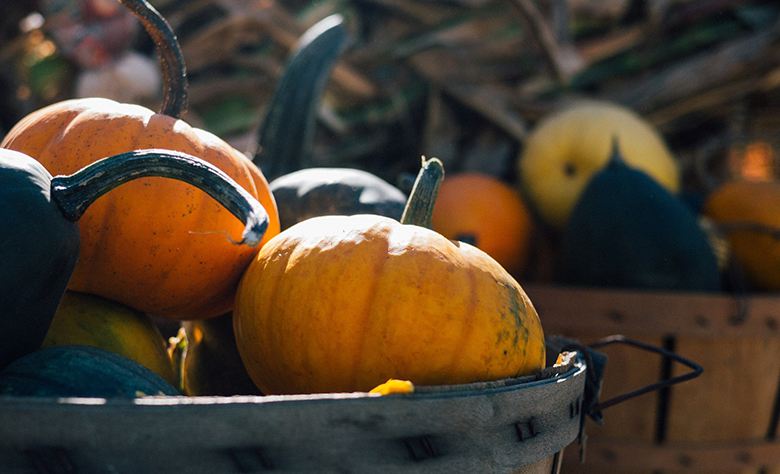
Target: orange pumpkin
(488, 213)
(156, 245)
(746, 212)
(344, 303)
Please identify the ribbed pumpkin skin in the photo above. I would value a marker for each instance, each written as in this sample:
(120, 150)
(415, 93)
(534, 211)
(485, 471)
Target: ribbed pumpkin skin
(156, 245)
(750, 203)
(338, 304)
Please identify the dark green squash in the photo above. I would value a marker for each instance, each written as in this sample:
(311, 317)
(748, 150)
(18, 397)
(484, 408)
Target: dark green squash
(80, 371)
(40, 240)
(284, 141)
(628, 231)
(315, 192)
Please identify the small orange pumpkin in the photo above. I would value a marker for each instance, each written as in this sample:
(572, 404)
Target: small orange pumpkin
(746, 212)
(485, 212)
(156, 245)
(344, 303)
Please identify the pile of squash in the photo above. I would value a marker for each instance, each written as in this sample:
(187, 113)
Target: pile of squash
(606, 187)
(289, 279)
(115, 215)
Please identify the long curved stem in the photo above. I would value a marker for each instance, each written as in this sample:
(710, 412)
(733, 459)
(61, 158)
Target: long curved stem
(171, 59)
(419, 206)
(284, 140)
(74, 193)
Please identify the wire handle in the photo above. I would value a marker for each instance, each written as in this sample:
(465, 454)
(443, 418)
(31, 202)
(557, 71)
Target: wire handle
(619, 339)
(596, 362)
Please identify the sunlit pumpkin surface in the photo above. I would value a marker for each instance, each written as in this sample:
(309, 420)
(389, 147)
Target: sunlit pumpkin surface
(155, 244)
(345, 303)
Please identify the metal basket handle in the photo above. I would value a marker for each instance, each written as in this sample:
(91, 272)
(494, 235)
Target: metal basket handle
(595, 407)
(591, 406)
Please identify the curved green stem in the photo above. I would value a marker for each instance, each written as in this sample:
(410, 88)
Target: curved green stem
(284, 140)
(419, 206)
(171, 59)
(74, 193)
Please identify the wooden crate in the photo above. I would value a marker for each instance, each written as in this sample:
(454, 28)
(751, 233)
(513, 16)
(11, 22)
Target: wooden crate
(725, 421)
(518, 426)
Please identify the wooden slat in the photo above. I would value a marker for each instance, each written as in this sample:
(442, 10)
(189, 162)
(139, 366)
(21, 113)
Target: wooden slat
(614, 455)
(654, 313)
(733, 399)
(731, 403)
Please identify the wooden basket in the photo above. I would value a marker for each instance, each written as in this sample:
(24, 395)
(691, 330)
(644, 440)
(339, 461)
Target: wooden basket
(723, 422)
(517, 425)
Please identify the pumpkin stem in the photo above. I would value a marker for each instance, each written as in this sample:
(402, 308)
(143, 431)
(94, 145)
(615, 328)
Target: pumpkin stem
(615, 157)
(171, 59)
(284, 140)
(74, 193)
(419, 206)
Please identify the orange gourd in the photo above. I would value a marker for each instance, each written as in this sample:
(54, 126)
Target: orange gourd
(746, 212)
(344, 303)
(156, 245)
(485, 212)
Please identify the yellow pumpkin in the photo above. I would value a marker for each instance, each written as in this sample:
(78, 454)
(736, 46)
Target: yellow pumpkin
(569, 146)
(344, 303)
(94, 321)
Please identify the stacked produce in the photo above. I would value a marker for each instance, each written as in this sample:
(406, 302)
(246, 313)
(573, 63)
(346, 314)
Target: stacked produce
(162, 245)
(621, 145)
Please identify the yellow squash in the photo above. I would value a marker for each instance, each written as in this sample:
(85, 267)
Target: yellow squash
(90, 320)
(569, 146)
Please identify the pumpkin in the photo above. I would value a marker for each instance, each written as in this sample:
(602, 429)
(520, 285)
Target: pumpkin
(80, 371)
(488, 213)
(746, 212)
(344, 303)
(40, 237)
(313, 192)
(628, 231)
(156, 245)
(90, 320)
(211, 363)
(567, 147)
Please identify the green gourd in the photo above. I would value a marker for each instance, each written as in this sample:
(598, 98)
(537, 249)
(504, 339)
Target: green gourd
(627, 231)
(39, 233)
(284, 141)
(80, 371)
(315, 192)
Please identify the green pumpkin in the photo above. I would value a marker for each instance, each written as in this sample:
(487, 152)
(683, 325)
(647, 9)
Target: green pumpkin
(628, 231)
(40, 239)
(334, 191)
(80, 371)
(39, 249)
